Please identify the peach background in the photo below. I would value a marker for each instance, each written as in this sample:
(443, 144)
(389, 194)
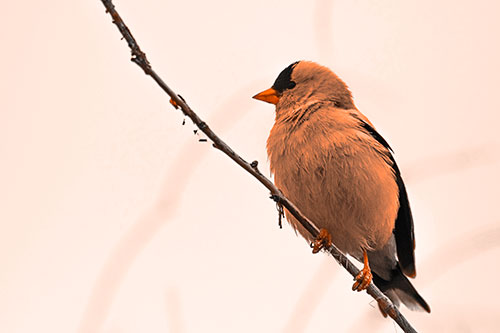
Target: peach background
(114, 218)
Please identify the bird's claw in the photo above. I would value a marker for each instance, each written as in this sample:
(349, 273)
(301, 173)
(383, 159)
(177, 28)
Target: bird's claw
(364, 276)
(363, 279)
(324, 240)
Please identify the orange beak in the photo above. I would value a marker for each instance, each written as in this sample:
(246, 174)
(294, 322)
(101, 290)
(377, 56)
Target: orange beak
(270, 95)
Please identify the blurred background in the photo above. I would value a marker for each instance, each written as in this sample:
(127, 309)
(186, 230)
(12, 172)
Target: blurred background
(115, 218)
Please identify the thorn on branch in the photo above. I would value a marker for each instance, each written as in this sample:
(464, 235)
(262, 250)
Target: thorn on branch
(217, 146)
(254, 166)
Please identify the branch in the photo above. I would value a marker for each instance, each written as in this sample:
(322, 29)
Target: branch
(140, 59)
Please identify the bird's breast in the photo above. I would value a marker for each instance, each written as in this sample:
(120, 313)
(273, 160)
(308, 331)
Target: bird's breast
(335, 177)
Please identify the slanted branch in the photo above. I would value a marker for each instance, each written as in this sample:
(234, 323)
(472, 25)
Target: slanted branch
(139, 57)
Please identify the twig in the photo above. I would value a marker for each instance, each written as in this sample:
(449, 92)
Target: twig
(140, 59)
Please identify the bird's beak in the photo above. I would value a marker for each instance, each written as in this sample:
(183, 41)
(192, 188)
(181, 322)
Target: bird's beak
(270, 95)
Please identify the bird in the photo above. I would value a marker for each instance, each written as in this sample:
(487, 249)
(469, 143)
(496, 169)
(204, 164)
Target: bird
(330, 161)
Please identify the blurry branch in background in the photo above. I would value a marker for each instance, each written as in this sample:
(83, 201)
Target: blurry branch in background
(140, 59)
(128, 247)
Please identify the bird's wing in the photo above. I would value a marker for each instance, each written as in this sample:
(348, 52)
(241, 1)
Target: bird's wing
(403, 230)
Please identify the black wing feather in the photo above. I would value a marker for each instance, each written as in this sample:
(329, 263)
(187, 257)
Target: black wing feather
(403, 230)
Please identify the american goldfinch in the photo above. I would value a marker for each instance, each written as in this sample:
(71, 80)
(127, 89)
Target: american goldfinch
(328, 159)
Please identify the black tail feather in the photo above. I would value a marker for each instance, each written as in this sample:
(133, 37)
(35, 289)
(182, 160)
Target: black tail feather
(400, 290)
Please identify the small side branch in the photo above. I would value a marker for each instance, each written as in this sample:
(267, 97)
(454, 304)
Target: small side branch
(140, 59)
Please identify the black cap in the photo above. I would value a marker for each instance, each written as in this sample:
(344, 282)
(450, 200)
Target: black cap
(284, 80)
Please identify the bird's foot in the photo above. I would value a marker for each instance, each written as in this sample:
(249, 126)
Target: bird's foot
(363, 279)
(364, 276)
(324, 240)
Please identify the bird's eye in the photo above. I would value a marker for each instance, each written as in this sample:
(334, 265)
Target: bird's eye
(291, 85)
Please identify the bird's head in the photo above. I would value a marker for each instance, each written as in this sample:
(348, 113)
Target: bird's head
(304, 82)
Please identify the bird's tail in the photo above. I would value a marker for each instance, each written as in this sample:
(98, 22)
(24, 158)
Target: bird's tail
(400, 290)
